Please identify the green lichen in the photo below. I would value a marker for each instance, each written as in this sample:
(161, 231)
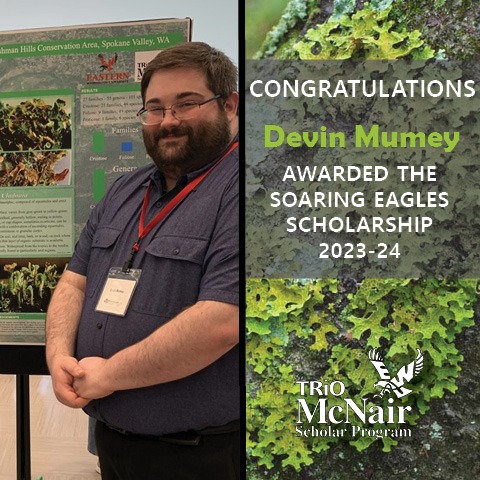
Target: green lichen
(347, 7)
(302, 330)
(298, 30)
(295, 12)
(315, 329)
(449, 29)
(367, 34)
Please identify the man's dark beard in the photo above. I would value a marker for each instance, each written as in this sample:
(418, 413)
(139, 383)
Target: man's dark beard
(204, 144)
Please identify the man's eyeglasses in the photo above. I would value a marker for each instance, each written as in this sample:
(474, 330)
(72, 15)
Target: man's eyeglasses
(181, 111)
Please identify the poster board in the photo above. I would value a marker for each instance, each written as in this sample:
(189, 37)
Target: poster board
(68, 129)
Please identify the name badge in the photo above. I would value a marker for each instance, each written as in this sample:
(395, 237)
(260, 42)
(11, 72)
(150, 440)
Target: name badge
(118, 291)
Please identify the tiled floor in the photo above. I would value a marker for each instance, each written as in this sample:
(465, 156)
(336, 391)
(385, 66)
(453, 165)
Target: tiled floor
(58, 434)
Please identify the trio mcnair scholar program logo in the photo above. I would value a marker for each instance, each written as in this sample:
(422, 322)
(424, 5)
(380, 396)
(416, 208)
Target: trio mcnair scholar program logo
(347, 418)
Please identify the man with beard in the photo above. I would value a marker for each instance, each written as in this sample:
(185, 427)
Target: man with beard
(142, 329)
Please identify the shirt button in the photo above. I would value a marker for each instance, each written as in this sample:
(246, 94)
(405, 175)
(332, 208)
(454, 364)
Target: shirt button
(99, 326)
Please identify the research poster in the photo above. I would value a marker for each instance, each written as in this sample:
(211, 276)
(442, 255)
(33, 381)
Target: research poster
(362, 244)
(68, 129)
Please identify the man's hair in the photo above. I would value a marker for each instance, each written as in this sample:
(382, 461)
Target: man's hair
(219, 70)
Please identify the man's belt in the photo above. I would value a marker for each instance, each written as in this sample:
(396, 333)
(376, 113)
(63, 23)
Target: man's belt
(187, 438)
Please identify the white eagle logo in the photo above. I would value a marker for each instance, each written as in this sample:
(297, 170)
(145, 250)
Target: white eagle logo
(395, 384)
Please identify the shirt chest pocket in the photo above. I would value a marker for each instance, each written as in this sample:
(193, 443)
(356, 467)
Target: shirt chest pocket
(172, 269)
(178, 248)
(101, 257)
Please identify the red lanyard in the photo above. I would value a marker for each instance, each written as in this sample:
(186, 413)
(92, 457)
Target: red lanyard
(144, 230)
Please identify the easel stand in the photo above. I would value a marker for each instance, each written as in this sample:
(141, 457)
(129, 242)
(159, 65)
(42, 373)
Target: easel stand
(23, 361)
(23, 428)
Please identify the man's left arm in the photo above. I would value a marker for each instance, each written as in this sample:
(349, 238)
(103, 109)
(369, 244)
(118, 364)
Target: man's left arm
(191, 341)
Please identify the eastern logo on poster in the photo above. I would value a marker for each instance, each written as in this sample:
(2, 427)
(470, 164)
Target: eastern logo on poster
(107, 64)
(108, 73)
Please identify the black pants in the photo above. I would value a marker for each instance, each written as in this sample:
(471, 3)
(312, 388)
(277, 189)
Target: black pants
(132, 457)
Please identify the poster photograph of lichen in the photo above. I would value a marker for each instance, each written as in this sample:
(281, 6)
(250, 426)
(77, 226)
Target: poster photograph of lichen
(27, 286)
(35, 141)
(362, 251)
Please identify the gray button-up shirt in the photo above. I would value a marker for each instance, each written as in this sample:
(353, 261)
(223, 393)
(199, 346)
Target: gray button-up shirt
(192, 255)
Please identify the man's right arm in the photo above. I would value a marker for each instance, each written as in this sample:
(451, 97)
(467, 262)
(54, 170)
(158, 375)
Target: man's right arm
(63, 317)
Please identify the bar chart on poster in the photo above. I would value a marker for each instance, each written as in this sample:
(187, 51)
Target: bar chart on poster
(68, 130)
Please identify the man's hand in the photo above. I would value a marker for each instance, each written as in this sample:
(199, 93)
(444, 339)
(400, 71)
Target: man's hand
(62, 320)
(93, 384)
(65, 371)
